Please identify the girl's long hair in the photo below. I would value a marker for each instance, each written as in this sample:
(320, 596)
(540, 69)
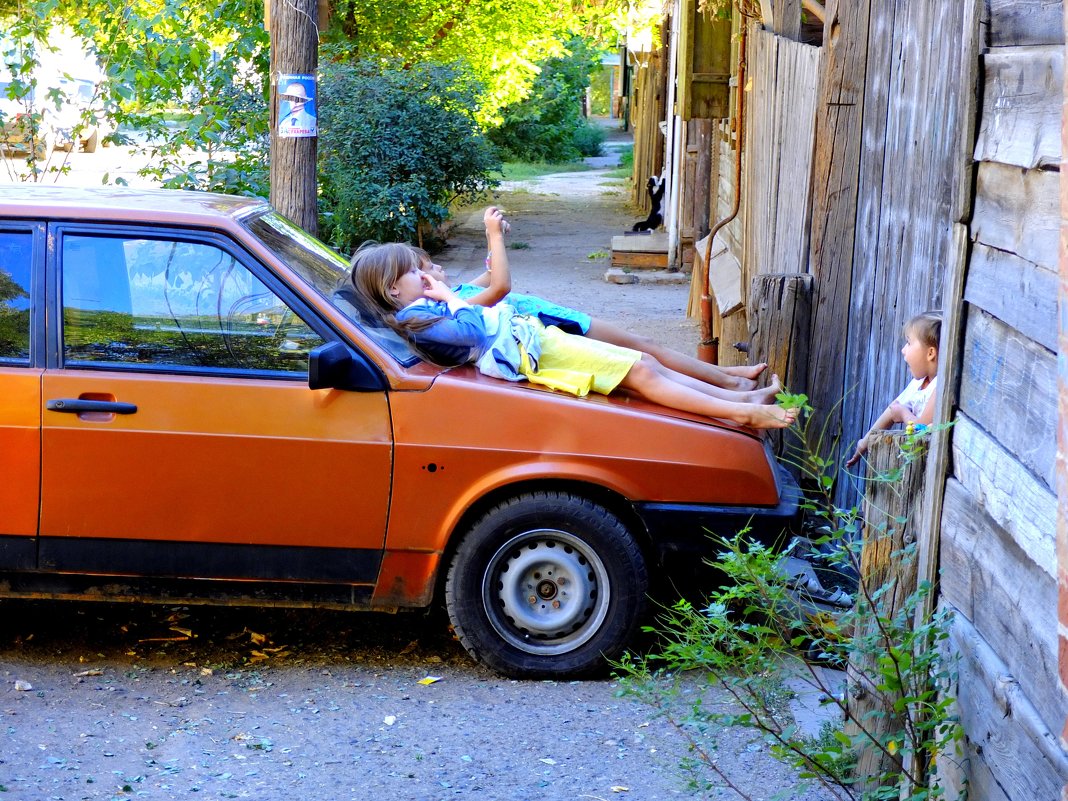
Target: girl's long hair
(375, 269)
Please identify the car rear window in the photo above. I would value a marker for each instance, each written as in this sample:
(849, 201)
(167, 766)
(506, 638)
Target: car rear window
(16, 249)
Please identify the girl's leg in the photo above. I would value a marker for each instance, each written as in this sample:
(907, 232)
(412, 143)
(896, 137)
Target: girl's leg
(740, 379)
(764, 395)
(654, 386)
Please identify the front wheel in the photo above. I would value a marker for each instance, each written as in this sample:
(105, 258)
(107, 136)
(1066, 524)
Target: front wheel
(546, 584)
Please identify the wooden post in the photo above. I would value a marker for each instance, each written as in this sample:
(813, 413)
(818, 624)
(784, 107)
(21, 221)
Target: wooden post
(1062, 408)
(787, 19)
(780, 309)
(835, 182)
(294, 51)
(887, 578)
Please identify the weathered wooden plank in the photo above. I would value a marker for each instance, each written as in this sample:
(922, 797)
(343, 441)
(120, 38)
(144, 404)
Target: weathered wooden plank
(780, 308)
(887, 579)
(1010, 602)
(945, 400)
(1019, 211)
(1004, 487)
(1026, 22)
(1009, 387)
(1021, 111)
(1010, 754)
(1016, 291)
(799, 70)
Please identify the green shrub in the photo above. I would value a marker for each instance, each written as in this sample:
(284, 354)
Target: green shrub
(397, 145)
(548, 124)
(589, 140)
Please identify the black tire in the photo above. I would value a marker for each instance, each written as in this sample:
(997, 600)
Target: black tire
(516, 580)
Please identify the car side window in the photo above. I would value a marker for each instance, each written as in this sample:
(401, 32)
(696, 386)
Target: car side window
(16, 254)
(176, 304)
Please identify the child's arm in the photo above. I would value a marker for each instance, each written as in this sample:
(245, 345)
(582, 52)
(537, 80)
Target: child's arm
(896, 412)
(498, 279)
(883, 422)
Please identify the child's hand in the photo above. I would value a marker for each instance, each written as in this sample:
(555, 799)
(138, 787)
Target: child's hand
(495, 222)
(862, 448)
(435, 289)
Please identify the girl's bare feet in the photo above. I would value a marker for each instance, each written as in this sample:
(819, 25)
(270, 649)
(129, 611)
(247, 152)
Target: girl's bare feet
(760, 416)
(768, 393)
(743, 378)
(750, 371)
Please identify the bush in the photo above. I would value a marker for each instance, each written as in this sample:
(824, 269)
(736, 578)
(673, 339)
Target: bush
(398, 144)
(548, 125)
(589, 140)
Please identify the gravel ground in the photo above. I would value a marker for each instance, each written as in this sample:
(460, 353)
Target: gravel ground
(101, 701)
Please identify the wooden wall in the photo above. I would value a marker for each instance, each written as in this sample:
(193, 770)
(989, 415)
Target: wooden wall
(913, 188)
(647, 109)
(999, 515)
(779, 137)
(770, 234)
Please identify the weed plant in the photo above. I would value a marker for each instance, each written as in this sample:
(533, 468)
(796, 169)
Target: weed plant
(759, 634)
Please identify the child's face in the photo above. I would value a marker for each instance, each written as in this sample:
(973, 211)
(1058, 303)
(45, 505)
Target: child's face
(922, 359)
(409, 287)
(433, 270)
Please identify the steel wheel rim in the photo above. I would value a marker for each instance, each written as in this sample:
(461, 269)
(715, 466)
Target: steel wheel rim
(546, 592)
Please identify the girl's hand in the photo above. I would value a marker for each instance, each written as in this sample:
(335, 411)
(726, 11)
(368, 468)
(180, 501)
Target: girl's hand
(437, 290)
(495, 222)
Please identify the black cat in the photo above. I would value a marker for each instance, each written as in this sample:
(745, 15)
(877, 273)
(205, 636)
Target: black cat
(656, 186)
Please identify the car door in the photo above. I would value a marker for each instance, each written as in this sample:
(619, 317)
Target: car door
(180, 437)
(21, 249)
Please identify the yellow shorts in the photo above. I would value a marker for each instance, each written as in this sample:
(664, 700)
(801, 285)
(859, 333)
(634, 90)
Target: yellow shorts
(577, 364)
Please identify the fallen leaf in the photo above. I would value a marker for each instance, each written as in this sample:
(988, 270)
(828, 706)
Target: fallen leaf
(185, 632)
(90, 672)
(257, 639)
(410, 647)
(429, 680)
(23, 686)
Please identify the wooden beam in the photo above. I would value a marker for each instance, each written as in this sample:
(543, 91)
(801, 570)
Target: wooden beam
(946, 404)
(1019, 211)
(835, 177)
(1022, 101)
(787, 18)
(1005, 370)
(1026, 22)
(1011, 753)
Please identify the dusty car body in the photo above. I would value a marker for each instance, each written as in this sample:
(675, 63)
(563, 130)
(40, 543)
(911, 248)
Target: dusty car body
(192, 411)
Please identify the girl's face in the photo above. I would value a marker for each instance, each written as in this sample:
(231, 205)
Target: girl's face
(922, 359)
(409, 287)
(433, 270)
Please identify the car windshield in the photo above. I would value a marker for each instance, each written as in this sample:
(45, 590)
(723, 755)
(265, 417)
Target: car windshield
(327, 272)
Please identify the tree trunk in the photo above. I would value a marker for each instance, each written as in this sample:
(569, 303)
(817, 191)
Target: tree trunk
(294, 51)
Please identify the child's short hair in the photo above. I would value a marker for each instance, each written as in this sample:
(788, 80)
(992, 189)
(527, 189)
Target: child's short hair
(927, 326)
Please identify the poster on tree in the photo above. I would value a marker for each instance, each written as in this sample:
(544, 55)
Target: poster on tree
(296, 106)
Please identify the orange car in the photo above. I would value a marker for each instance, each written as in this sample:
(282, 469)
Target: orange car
(192, 412)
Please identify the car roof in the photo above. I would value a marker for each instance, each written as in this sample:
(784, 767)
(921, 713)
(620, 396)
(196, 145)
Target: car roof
(113, 203)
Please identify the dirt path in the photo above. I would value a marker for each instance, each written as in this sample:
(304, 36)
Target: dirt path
(560, 246)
